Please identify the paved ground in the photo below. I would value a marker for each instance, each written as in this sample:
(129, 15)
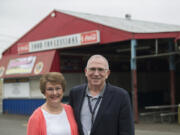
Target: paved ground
(0, 106)
(157, 129)
(13, 124)
(16, 125)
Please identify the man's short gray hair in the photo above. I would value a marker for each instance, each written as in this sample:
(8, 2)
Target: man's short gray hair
(98, 56)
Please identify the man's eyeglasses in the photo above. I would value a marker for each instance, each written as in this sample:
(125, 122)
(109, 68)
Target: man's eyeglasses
(52, 89)
(100, 70)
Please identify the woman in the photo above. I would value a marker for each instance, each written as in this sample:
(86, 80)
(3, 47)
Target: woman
(53, 117)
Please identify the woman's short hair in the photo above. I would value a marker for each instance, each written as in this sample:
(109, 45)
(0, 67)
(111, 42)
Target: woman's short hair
(54, 78)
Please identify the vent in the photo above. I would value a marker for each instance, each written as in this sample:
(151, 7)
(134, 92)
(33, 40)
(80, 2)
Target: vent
(128, 16)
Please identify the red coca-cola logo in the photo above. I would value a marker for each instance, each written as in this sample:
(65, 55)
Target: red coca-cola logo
(89, 37)
(23, 48)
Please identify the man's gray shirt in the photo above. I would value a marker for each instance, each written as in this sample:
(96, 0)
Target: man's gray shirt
(86, 115)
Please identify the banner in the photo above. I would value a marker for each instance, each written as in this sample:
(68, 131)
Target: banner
(20, 65)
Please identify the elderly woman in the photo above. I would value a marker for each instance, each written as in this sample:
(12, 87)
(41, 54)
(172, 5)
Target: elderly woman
(53, 117)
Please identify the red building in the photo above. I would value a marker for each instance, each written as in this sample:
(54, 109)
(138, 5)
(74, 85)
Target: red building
(144, 58)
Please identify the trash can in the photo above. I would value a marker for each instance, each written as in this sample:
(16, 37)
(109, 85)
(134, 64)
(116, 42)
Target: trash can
(179, 113)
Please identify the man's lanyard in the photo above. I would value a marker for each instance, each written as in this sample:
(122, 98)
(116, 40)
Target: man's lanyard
(94, 109)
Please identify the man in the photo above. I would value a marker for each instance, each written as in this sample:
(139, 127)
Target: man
(99, 107)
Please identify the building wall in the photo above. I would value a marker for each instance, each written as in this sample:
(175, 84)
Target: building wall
(1, 95)
(73, 79)
(34, 88)
(153, 82)
(121, 79)
(0, 89)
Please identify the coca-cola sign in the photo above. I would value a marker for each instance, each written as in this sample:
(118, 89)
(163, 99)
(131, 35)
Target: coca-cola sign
(90, 37)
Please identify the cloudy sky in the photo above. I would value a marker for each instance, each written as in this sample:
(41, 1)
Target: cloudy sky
(19, 16)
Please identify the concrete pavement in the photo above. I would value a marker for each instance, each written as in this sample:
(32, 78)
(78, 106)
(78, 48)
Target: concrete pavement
(0, 107)
(13, 124)
(16, 125)
(147, 132)
(157, 128)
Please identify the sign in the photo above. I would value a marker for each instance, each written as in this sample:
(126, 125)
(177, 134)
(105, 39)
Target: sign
(90, 37)
(23, 48)
(16, 90)
(20, 65)
(38, 68)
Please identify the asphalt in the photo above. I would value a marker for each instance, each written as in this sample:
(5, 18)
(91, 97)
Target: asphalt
(17, 125)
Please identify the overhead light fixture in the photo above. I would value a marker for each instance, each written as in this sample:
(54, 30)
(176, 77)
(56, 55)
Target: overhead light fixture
(53, 14)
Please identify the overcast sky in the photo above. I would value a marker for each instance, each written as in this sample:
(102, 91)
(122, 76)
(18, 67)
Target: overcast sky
(18, 16)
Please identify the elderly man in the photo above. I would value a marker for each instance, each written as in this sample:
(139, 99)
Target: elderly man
(99, 107)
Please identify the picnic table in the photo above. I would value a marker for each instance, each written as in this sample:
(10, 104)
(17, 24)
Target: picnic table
(161, 112)
(159, 107)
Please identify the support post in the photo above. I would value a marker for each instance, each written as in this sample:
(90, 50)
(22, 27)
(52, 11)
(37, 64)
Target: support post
(172, 74)
(134, 79)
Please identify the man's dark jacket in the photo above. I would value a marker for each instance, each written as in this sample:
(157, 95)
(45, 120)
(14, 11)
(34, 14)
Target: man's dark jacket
(115, 112)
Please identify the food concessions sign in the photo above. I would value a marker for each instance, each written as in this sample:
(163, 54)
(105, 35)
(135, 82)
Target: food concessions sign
(90, 37)
(20, 65)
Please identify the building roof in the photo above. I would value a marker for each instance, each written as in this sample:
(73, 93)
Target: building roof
(113, 29)
(129, 25)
